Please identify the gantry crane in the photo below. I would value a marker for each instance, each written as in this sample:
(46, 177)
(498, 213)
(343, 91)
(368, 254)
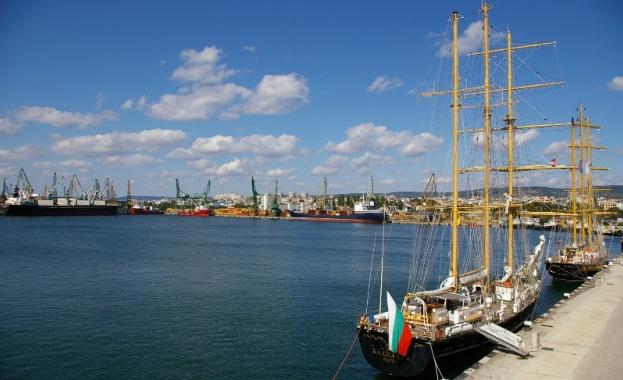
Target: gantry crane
(274, 208)
(255, 194)
(5, 190)
(321, 198)
(184, 199)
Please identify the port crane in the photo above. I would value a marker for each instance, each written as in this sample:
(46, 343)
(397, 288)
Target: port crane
(74, 185)
(52, 193)
(23, 188)
(430, 191)
(109, 191)
(184, 199)
(5, 190)
(274, 208)
(255, 194)
(321, 198)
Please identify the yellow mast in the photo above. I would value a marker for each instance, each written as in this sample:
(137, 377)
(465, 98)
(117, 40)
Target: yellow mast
(510, 123)
(582, 179)
(589, 185)
(455, 151)
(487, 133)
(574, 208)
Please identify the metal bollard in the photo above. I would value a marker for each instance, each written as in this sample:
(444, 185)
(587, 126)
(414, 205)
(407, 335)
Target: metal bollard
(536, 340)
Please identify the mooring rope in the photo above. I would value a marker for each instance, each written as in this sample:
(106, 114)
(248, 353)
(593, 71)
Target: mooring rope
(346, 357)
(437, 369)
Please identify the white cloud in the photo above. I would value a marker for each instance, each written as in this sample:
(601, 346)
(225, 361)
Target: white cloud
(130, 105)
(250, 49)
(368, 137)
(470, 41)
(99, 100)
(280, 172)
(60, 119)
(209, 95)
(369, 159)
(117, 142)
(382, 84)
(331, 165)
(420, 144)
(129, 161)
(199, 103)
(262, 145)
(7, 127)
(616, 83)
(237, 167)
(524, 138)
(80, 165)
(556, 148)
(277, 94)
(22, 152)
(202, 67)
(324, 170)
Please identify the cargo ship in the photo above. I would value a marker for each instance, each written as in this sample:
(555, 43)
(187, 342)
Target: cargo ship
(36, 208)
(24, 202)
(364, 212)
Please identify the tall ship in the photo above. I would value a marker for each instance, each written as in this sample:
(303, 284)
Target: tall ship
(24, 202)
(586, 254)
(494, 275)
(364, 211)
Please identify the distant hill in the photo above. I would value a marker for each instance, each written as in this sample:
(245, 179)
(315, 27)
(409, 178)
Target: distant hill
(616, 192)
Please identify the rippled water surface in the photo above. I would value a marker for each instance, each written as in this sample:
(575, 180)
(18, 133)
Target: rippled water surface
(166, 297)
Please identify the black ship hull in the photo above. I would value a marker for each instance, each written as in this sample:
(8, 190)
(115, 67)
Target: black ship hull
(448, 352)
(573, 272)
(36, 210)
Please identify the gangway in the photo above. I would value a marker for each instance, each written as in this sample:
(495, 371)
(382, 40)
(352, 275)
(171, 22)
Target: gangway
(504, 338)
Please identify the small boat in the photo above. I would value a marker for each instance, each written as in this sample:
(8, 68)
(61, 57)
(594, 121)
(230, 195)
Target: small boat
(145, 210)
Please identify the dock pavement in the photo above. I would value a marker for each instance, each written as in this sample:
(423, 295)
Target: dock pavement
(581, 337)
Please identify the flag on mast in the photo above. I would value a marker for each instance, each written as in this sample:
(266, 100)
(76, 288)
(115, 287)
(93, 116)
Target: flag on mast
(399, 332)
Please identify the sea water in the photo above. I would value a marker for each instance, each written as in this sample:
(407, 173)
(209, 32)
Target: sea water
(168, 297)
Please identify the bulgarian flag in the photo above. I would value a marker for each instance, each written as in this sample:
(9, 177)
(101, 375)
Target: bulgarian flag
(399, 333)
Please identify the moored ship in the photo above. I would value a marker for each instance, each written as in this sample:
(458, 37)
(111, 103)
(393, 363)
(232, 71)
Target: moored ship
(586, 254)
(493, 281)
(145, 210)
(35, 208)
(365, 211)
(200, 210)
(24, 202)
(361, 214)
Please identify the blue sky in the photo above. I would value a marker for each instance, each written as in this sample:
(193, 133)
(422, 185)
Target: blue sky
(151, 91)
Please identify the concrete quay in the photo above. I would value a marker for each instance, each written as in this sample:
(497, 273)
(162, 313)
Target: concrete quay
(581, 337)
